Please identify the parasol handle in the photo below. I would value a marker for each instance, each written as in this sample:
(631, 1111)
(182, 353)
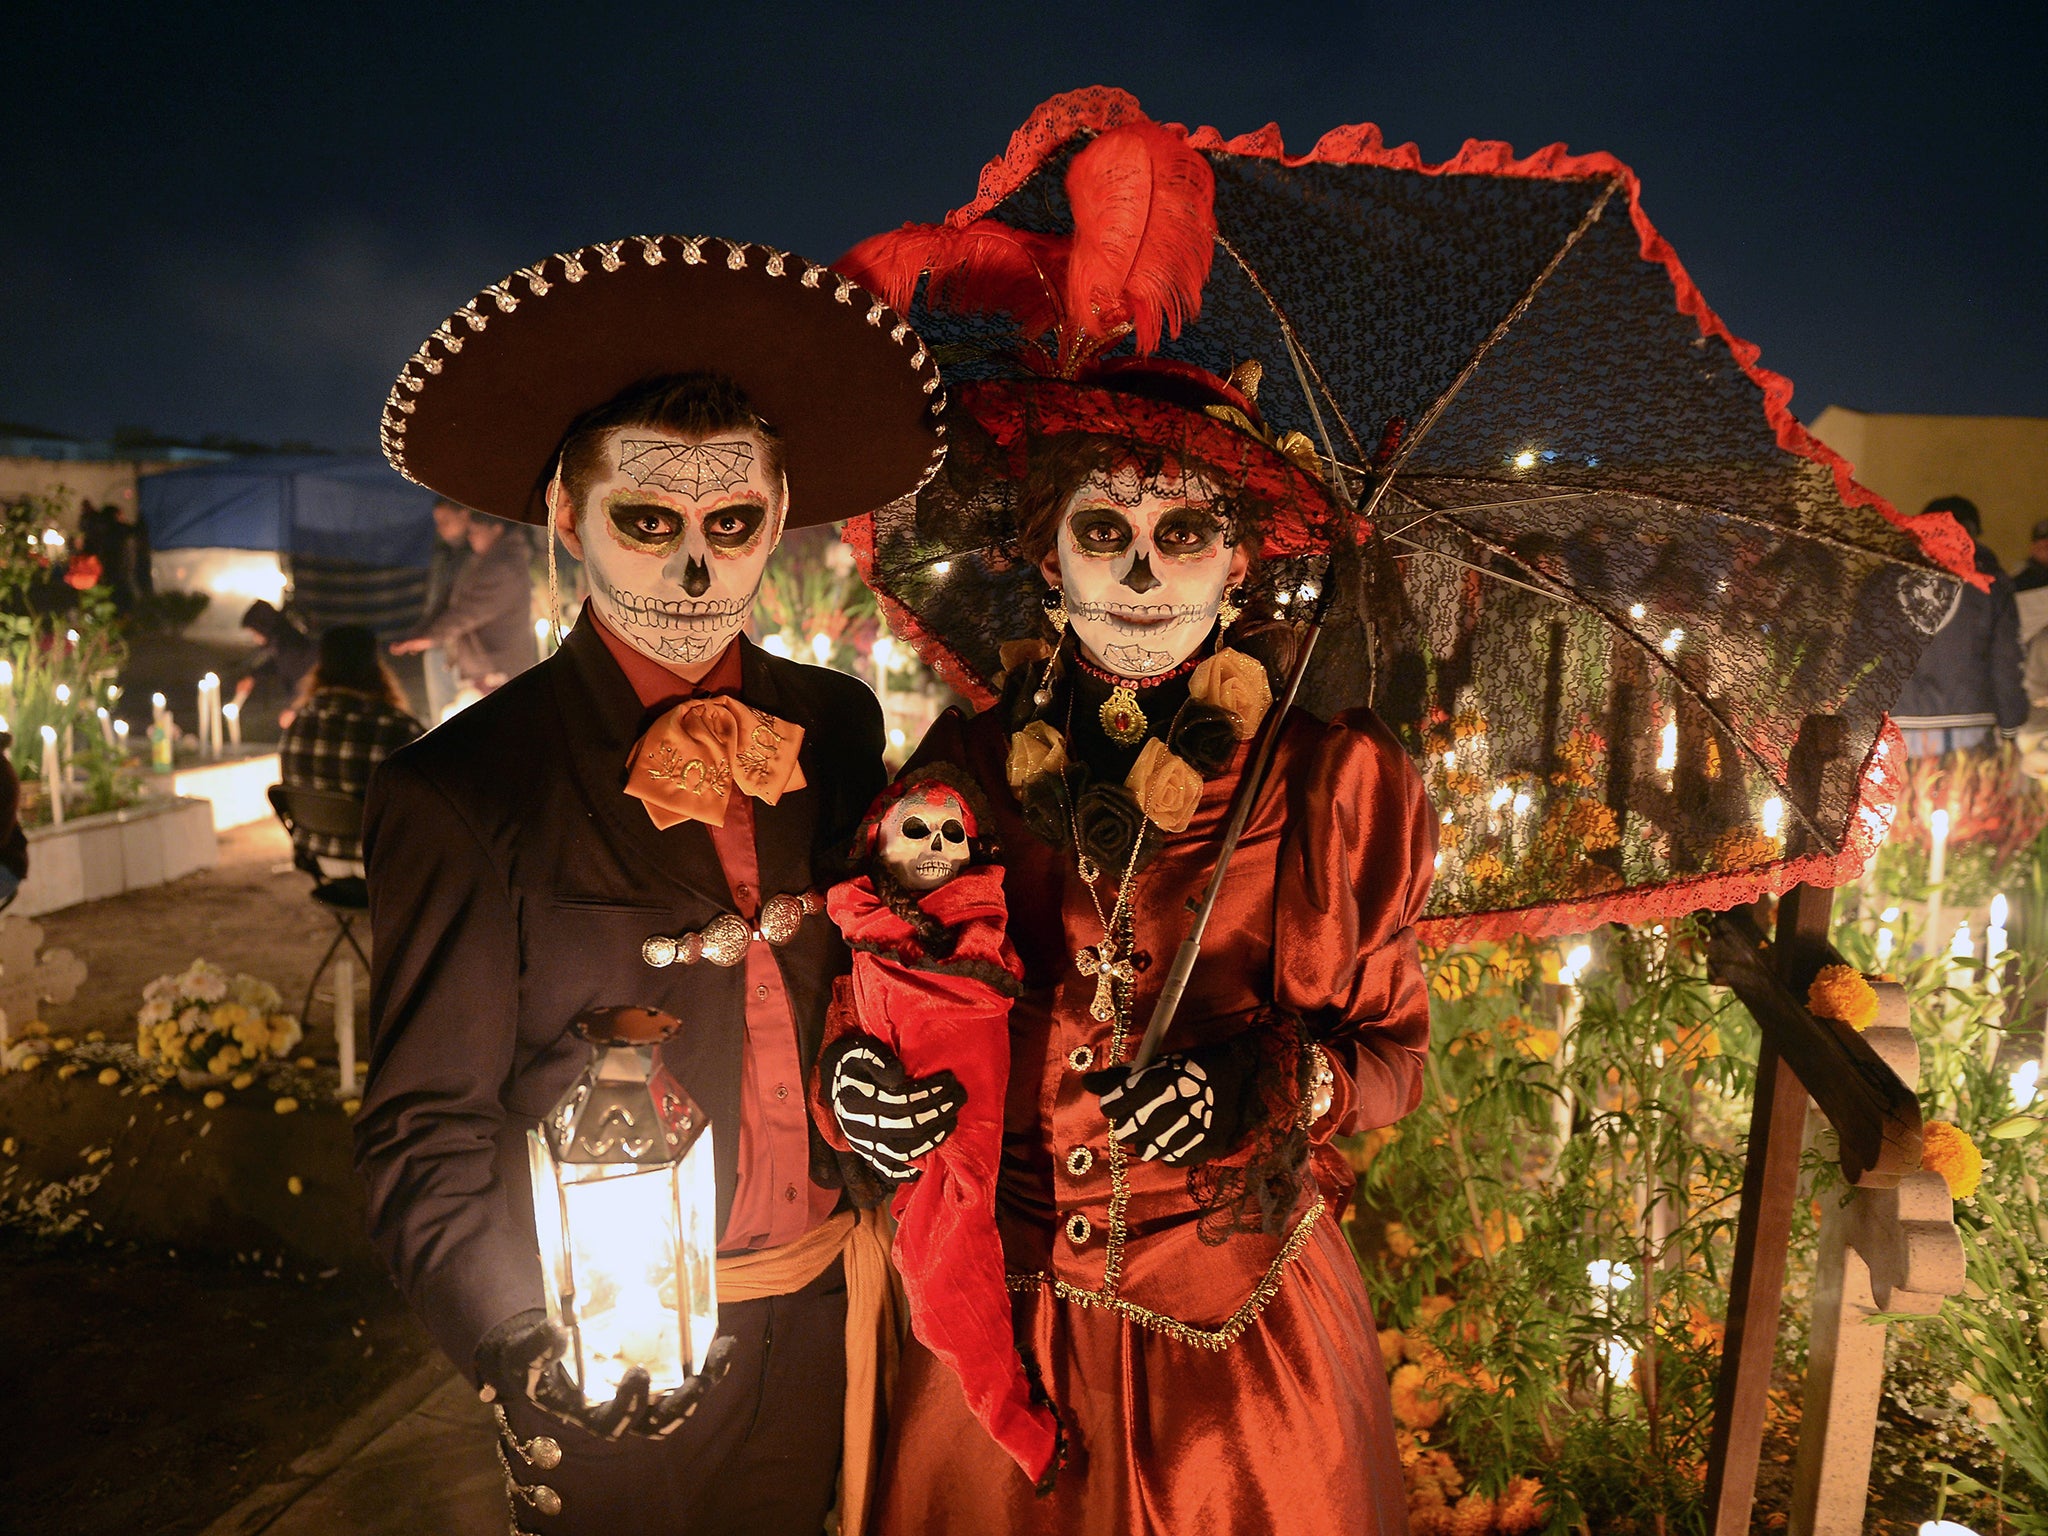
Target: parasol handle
(1176, 983)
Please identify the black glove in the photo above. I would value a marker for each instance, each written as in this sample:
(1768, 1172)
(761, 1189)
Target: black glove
(522, 1357)
(891, 1118)
(1183, 1108)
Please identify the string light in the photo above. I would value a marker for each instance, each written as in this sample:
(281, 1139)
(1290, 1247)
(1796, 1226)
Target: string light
(1526, 459)
(1637, 611)
(1672, 642)
(941, 567)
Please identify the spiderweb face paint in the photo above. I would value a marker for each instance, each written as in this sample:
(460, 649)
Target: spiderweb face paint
(676, 538)
(1143, 568)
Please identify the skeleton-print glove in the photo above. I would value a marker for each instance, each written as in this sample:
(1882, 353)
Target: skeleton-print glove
(1184, 1108)
(522, 1357)
(890, 1118)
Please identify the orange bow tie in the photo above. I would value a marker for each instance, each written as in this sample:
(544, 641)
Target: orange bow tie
(690, 759)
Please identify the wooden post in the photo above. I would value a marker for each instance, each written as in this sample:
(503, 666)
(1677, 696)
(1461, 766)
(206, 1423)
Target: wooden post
(1763, 1234)
(1892, 1249)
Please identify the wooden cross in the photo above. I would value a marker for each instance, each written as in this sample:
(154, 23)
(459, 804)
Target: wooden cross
(1103, 963)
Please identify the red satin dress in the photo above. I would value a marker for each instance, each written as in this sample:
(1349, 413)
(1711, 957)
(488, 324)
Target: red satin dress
(1213, 1373)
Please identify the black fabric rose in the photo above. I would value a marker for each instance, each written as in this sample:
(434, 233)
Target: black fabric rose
(1018, 706)
(1108, 824)
(1043, 805)
(1204, 738)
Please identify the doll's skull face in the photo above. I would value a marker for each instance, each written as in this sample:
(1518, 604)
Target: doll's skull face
(676, 537)
(1143, 565)
(923, 841)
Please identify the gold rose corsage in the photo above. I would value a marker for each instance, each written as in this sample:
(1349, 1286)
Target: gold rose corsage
(1166, 788)
(1236, 684)
(1036, 750)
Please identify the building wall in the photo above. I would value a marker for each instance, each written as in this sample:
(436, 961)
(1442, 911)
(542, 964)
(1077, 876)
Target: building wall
(1999, 462)
(96, 480)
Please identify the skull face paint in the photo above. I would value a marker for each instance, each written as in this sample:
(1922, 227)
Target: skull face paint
(675, 540)
(1143, 566)
(922, 841)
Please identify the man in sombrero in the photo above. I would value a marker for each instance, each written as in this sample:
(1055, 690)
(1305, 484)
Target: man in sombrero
(668, 406)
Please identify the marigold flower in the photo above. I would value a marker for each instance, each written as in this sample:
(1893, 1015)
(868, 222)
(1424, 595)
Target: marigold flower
(1521, 1507)
(1413, 1404)
(1485, 868)
(1167, 790)
(1430, 1308)
(1400, 1241)
(1390, 1347)
(1950, 1153)
(214, 1098)
(1473, 1516)
(1539, 1043)
(109, 1076)
(1841, 992)
(241, 1080)
(285, 1105)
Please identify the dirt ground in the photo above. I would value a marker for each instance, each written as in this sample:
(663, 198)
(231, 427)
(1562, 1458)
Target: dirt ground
(250, 913)
(148, 1387)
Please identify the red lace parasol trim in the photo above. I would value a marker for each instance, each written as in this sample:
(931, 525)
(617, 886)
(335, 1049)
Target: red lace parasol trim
(1095, 108)
(1879, 784)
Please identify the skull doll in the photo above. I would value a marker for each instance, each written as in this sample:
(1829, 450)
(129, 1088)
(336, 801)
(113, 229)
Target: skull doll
(911, 1079)
(922, 841)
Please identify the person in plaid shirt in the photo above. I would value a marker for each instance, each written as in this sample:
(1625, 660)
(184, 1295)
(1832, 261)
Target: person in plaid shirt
(351, 716)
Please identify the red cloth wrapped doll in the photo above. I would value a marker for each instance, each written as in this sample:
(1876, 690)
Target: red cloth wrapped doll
(933, 975)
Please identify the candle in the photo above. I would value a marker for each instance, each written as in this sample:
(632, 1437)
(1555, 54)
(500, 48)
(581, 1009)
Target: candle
(1994, 935)
(162, 751)
(121, 737)
(209, 715)
(345, 1023)
(106, 727)
(1937, 870)
(53, 776)
(231, 712)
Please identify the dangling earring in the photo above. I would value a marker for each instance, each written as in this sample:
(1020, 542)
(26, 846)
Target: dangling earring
(1232, 607)
(1055, 604)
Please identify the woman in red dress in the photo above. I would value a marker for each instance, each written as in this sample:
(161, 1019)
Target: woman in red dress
(1178, 1276)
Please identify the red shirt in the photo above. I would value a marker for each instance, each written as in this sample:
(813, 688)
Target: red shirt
(775, 1202)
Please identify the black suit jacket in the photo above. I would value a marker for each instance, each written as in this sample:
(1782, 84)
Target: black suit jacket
(512, 881)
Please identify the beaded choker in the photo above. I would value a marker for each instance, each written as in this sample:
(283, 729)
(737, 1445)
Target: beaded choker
(1123, 718)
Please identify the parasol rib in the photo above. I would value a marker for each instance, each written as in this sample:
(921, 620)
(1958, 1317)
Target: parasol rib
(1175, 986)
(1443, 401)
(1657, 659)
(1299, 355)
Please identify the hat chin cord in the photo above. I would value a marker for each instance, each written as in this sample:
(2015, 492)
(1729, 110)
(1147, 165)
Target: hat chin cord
(554, 587)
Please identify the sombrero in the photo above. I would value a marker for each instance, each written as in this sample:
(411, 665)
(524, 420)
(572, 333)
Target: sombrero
(478, 412)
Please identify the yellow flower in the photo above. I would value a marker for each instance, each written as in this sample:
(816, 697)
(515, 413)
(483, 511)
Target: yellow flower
(1234, 683)
(285, 1105)
(109, 1076)
(1950, 1153)
(1390, 1347)
(69, 1070)
(242, 1080)
(1035, 750)
(1521, 1507)
(1840, 992)
(295, 1184)
(1413, 1404)
(28, 1063)
(1473, 1516)
(214, 1098)
(1400, 1241)
(1538, 1042)
(1166, 788)
(350, 1106)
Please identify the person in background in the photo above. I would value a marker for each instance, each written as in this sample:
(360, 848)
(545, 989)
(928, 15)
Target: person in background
(486, 626)
(283, 649)
(451, 553)
(13, 841)
(115, 536)
(1968, 683)
(350, 716)
(2035, 572)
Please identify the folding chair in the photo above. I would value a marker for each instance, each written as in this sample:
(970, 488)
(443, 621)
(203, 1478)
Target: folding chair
(338, 883)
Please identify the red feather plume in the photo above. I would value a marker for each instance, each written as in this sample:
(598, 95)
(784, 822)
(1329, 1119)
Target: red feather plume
(1144, 208)
(984, 266)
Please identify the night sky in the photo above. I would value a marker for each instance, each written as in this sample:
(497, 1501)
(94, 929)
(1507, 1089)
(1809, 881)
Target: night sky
(241, 221)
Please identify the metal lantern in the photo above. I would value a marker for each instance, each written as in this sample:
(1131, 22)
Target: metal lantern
(625, 1205)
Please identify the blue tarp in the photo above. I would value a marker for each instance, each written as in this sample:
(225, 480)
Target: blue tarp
(329, 507)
